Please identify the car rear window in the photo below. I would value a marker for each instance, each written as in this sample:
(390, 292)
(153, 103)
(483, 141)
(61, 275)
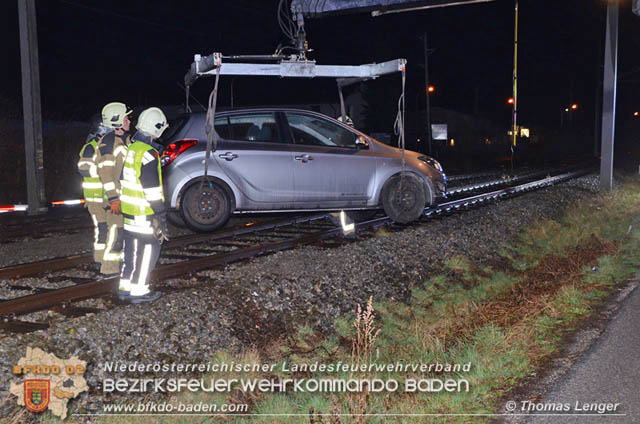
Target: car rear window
(175, 125)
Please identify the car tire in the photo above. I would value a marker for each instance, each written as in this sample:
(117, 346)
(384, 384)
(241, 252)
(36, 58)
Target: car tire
(176, 219)
(205, 206)
(406, 206)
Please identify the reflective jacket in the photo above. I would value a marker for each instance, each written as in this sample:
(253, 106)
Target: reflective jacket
(91, 185)
(141, 183)
(110, 159)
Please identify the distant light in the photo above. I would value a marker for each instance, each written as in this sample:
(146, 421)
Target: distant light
(566, 109)
(574, 106)
(636, 113)
(418, 140)
(431, 89)
(452, 142)
(511, 100)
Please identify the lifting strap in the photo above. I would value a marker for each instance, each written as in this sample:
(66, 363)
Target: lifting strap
(212, 140)
(398, 126)
(342, 110)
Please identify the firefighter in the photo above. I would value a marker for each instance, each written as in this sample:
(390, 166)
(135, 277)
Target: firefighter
(145, 224)
(110, 160)
(92, 188)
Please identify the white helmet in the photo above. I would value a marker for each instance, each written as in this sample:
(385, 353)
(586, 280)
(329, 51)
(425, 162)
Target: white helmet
(152, 122)
(113, 114)
(347, 121)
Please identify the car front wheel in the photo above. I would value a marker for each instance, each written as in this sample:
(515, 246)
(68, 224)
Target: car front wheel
(403, 198)
(206, 206)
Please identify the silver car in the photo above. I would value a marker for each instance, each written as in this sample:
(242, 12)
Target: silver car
(276, 160)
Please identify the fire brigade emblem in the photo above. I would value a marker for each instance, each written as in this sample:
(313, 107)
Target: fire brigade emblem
(36, 395)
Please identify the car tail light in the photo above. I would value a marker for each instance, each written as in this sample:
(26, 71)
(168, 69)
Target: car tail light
(175, 149)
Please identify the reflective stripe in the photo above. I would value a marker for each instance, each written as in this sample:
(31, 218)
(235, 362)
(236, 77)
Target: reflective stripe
(124, 285)
(86, 184)
(93, 171)
(134, 200)
(146, 158)
(108, 254)
(142, 287)
(106, 163)
(82, 162)
(120, 150)
(99, 246)
(110, 186)
(138, 229)
(94, 200)
(153, 197)
(153, 190)
(129, 174)
(131, 185)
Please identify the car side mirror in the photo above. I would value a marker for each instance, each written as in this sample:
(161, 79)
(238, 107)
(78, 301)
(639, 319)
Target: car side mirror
(362, 143)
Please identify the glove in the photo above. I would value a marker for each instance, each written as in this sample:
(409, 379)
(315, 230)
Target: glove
(115, 207)
(160, 228)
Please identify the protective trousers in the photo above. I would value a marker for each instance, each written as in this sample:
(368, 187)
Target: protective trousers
(113, 246)
(141, 252)
(99, 218)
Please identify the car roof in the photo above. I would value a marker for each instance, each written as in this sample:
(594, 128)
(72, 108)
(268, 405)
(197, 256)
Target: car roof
(228, 111)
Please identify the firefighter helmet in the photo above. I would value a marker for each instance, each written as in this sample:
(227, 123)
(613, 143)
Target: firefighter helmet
(347, 120)
(152, 121)
(113, 114)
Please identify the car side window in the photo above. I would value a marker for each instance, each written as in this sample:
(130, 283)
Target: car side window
(259, 127)
(316, 131)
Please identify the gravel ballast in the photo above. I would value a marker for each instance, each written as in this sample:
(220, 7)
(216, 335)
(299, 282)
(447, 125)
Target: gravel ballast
(250, 304)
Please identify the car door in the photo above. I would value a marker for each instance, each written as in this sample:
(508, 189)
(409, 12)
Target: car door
(257, 158)
(329, 168)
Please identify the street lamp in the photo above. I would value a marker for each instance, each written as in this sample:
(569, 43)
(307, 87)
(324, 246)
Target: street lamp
(431, 89)
(572, 108)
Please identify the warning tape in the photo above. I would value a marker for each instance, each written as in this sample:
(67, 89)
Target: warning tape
(22, 208)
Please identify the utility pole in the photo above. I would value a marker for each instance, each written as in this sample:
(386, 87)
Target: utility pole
(31, 106)
(515, 83)
(609, 96)
(426, 90)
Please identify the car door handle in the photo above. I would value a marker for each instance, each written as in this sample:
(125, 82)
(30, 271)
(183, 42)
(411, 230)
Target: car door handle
(303, 158)
(228, 156)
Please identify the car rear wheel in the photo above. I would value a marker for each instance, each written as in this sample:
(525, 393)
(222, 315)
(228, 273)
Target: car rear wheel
(206, 207)
(403, 198)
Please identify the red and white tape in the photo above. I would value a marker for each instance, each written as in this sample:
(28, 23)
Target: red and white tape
(22, 208)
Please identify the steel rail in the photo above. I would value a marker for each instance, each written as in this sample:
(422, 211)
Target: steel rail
(36, 302)
(57, 264)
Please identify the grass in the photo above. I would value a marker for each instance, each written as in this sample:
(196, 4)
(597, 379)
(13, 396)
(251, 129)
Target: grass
(502, 320)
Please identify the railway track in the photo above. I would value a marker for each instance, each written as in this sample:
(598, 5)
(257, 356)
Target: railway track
(71, 221)
(192, 253)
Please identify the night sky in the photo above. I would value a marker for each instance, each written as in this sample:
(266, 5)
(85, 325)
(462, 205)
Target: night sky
(94, 52)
